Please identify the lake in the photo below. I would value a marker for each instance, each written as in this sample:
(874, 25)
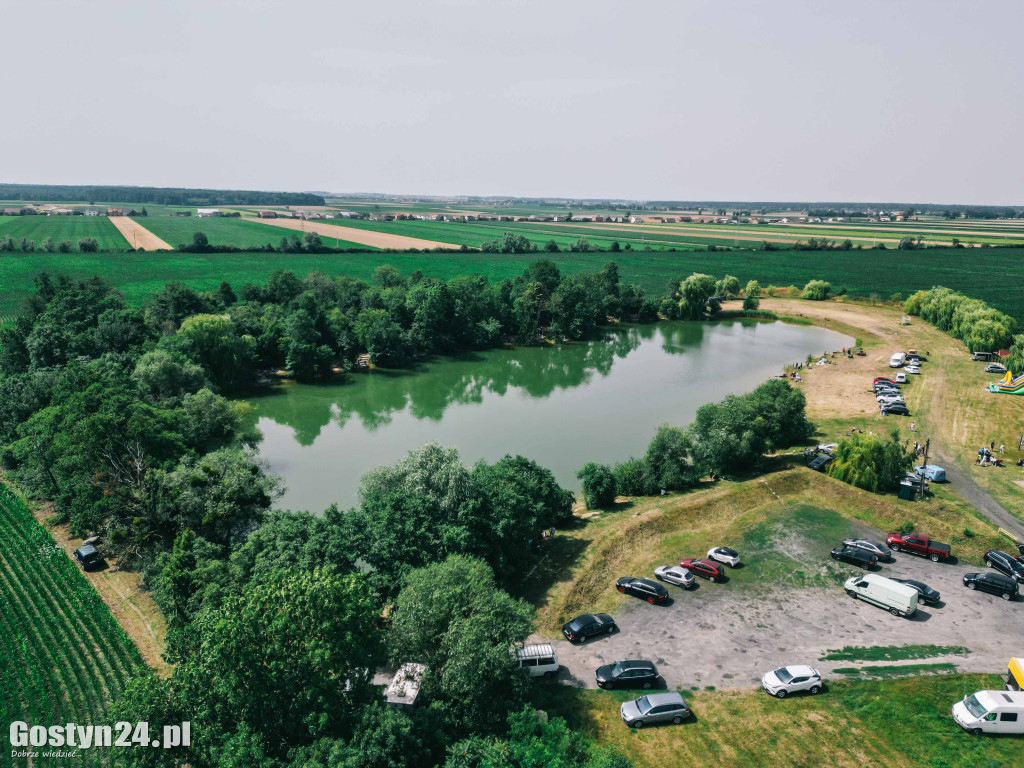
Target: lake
(561, 406)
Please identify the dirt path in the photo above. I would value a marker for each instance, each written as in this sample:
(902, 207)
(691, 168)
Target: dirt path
(974, 494)
(729, 636)
(137, 235)
(353, 235)
(132, 607)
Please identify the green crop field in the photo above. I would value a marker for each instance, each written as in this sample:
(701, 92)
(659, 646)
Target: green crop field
(993, 275)
(70, 228)
(222, 231)
(63, 658)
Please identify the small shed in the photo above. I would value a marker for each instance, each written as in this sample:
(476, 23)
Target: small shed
(404, 688)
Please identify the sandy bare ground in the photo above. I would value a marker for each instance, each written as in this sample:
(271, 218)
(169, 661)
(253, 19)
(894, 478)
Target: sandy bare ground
(353, 235)
(137, 235)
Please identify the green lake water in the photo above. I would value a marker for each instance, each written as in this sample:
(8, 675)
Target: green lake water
(561, 406)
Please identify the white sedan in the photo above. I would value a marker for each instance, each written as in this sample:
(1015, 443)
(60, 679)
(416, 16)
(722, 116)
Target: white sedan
(725, 555)
(786, 680)
(674, 574)
(912, 369)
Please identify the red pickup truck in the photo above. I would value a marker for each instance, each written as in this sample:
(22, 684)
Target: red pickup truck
(918, 544)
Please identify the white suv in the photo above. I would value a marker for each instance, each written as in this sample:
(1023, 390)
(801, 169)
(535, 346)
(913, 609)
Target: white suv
(538, 660)
(786, 680)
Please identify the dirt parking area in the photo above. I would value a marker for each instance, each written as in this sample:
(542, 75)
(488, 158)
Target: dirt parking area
(718, 635)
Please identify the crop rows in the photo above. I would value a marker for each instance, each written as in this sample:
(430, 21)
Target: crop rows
(63, 657)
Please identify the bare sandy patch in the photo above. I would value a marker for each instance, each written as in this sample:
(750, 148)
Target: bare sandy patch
(137, 235)
(353, 235)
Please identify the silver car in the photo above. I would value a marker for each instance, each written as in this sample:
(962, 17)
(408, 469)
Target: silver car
(876, 548)
(655, 708)
(674, 574)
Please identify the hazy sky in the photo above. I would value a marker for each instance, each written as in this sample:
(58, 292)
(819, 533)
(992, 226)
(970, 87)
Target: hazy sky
(877, 100)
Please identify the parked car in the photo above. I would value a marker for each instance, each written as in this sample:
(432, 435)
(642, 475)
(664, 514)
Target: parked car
(655, 708)
(539, 660)
(918, 544)
(878, 379)
(820, 462)
(995, 368)
(701, 567)
(886, 389)
(889, 399)
(854, 557)
(916, 359)
(901, 378)
(1005, 563)
(933, 472)
(898, 599)
(634, 673)
(895, 409)
(588, 625)
(897, 360)
(646, 589)
(726, 555)
(914, 369)
(876, 548)
(993, 583)
(87, 556)
(786, 680)
(925, 594)
(674, 574)
(991, 712)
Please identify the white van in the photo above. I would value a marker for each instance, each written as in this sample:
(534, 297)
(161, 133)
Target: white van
(897, 360)
(898, 599)
(991, 712)
(538, 660)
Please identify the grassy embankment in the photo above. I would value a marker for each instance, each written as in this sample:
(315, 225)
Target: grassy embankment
(784, 522)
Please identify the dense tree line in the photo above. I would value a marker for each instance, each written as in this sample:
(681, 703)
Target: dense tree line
(9, 244)
(728, 436)
(979, 326)
(161, 195)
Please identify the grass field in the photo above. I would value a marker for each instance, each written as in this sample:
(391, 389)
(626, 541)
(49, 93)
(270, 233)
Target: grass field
(220, 231)
(903, 723)
(63, 658)
(70, 228)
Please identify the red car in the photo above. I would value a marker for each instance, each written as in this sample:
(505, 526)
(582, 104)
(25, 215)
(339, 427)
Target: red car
(882, 378)
(702, 567)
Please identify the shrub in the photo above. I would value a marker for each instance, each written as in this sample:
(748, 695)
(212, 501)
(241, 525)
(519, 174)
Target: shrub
(599, 489)
(817, 290)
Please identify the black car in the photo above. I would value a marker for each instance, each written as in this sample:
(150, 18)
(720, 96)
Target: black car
(1005, 563)
(926, 594)
(916, 359)
(87, 556)
(993, 583)
(898, 409)
(588, 625)
(854, 556)
(649, 590)
(635, 673)
(819, 462)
